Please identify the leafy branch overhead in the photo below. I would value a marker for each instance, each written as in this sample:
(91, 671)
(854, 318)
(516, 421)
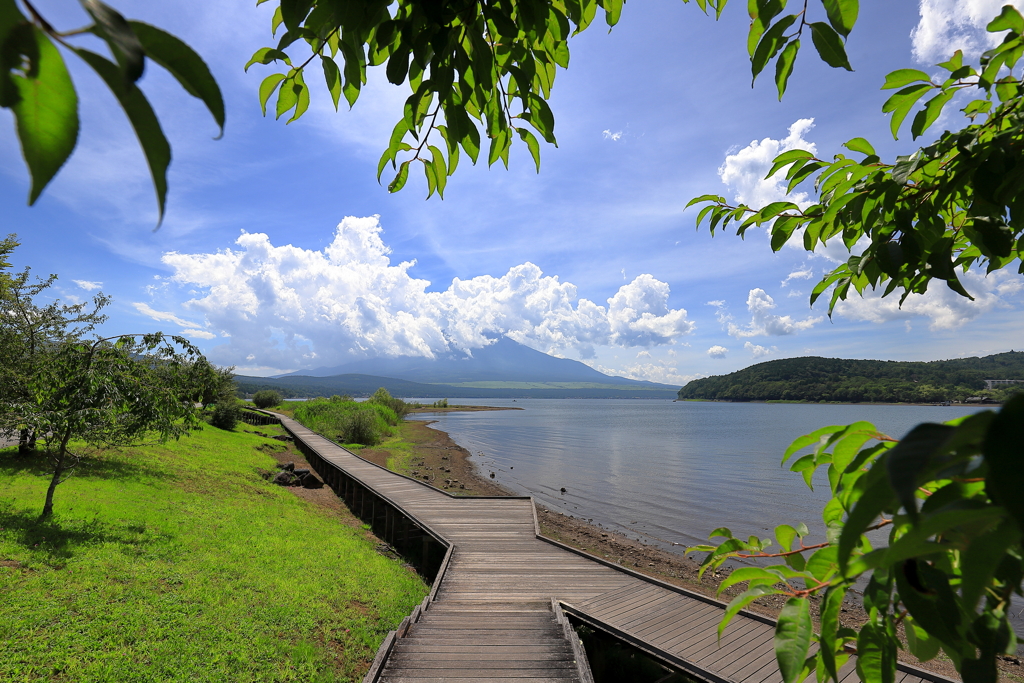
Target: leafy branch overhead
(933, 214)
(477, 68)
(947, 496)
(36, 87)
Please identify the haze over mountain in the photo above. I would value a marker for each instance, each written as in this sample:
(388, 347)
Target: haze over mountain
(503, 361)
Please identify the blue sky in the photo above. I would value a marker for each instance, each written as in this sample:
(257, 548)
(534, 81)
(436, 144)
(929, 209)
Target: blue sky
(280, 251)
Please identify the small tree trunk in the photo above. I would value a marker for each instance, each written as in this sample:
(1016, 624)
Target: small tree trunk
(26, 441)
(58, 470)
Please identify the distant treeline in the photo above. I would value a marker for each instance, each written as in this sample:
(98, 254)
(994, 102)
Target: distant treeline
(835, 379)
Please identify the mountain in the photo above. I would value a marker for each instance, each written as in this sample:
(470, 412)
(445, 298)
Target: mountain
(503, 361)
(835, 379)
(363, 385)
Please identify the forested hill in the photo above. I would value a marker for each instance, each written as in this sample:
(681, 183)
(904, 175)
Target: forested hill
(834, 379)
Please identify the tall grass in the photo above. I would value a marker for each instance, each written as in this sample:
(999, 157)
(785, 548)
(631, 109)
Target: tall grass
(351, 422)
(180, 563)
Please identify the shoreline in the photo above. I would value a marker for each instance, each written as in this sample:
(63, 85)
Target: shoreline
(439, 461)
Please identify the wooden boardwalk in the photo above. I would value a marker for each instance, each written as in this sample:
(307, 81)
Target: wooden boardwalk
(495, 611)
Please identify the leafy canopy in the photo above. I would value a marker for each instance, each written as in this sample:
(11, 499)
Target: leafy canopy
(36, 86)
(479, 68)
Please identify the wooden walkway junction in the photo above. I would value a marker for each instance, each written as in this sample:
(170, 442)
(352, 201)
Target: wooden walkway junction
(498, 603)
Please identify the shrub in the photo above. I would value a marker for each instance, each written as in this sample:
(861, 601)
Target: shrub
(268, 398)
(226, 413)
(382, 397)
(443, 403)
(364, 423)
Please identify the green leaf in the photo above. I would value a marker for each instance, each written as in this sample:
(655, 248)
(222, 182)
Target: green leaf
(910, 458)
(333, 77)
(876, 654)
(184, 64)
(926, 117)
(747, 574)
(829, 45)
(829, 615)
(143, 120)
(401, 178)
(920, 643)
(267, 88)
(1008, 20)
(532, 144)
(1001, 451)
(266, 55)
(810, 439)
(793, 638)
(785, 534)
(45, 107)
(981, 559)
(784, 66)
(902, 77)
(842, 14)
(770, 44)
(860, 145)
(741, 601)
(787, 158)
(901, 103)
(124, 44)
(301, 97)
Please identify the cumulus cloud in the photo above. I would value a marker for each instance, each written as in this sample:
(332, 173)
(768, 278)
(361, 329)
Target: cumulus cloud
(663, 372)
(609, 135)
(758, 351)
(744, 171)
(717, 351)
(162, 316)
(88, 285)
(289, 307)
(944, 308)
(949, 25)
(198, 334)
(764, 323)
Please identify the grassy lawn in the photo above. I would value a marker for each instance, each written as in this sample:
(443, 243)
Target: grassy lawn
(180, 563)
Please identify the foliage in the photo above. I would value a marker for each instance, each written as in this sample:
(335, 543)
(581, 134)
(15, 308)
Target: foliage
(266, 399)
(36, 86)
(350, 422)
(384, 398)
(114, 391)
(179, 563)
(29, 332)
(949, 497)
(477, 67)
(443, 403)
(227, 409)
(952, 205)
(835, 379)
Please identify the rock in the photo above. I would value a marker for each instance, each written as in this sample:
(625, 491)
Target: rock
(283, 479)
(492, 475)
(282, 437)
(289, 467)
(563, 489)
(266, 474)
(462, 486)
(299, 473)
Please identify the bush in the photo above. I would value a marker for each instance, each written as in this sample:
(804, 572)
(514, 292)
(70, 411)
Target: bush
(268, 398)
(443, 403)
(348, 421)
(382, 397)
(226, 413)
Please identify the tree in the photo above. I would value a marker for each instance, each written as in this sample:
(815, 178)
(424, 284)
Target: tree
(28, 335)
(227, 409)
(114, 391)
(36, 86)
(268, 398)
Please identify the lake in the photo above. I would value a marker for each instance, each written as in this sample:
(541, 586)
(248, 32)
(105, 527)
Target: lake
(661, 471)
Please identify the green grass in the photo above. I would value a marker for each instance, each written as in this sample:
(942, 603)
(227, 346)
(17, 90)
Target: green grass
(179, 563)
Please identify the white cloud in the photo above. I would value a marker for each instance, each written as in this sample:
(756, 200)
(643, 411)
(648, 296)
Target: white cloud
(765, 323)
(944, 308)
(162, 316)
(744, 171)
(758, 351)
(88, 285)
(802, 274)
(662, 372)
(287, 306)
(717, 351)
(199, 334)
(949, 25)
(609, 135)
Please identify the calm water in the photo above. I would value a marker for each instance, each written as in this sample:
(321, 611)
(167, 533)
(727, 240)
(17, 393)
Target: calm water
(664, 472)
